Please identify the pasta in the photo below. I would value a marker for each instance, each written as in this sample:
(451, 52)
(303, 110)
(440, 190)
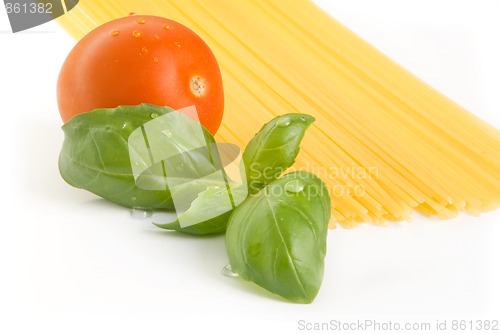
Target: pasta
(385, 143)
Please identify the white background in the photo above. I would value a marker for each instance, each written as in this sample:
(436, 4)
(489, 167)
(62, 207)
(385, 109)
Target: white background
(71, 262)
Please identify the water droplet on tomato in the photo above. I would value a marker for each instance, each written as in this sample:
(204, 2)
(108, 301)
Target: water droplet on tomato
(154, 115)
(156, 36)
(227, 271)
(156, 60)
(136, 34)
(115, 33)
(141, 21)
(145, 50)
(177, 44)
(131, 13)
(294, 186)
(167, 133)
(166, 27)
(138, 213)
(283, 123)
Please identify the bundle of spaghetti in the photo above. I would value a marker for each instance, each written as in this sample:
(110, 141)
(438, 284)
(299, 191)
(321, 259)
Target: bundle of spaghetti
(384, 142)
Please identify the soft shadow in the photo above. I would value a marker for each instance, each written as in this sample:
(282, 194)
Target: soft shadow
(253, 289)
(99, 202)
(179, 235)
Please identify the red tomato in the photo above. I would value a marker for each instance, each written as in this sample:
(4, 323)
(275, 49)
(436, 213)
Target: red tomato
(141, 59)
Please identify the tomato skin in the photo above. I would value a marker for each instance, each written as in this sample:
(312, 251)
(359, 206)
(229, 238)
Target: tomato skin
(141, 59)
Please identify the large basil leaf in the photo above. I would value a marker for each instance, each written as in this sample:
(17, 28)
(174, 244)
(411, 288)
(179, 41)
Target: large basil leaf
(274, 149)
(95, 156)
(210, 211)
(277, 237)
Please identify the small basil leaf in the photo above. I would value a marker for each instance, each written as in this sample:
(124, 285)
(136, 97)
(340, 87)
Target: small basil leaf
(95, 156)
(209, 213)
(274, 149)
(277, 237)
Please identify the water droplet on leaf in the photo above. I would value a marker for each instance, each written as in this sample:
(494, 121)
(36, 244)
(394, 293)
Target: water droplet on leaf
(138, 213)
(154, 115)
(294, 186)
(227, 271)
(167, 133)
(283, 123)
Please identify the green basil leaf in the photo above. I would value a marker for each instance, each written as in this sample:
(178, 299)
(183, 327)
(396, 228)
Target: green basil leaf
(274, 149)
(210, 211)
(277, 237)
(95, 156)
